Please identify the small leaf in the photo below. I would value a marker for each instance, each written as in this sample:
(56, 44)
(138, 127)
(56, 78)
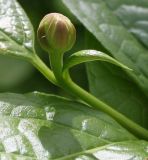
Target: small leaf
(90, 55)
(16, 32)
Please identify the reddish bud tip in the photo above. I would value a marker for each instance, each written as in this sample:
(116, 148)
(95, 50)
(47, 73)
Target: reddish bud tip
(56, 32)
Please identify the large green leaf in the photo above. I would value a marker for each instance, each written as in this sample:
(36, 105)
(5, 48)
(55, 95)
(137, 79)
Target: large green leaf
(110, 84)
(114, 151)
(41, 126)
(107, 28)
(16, 33)
(133, 14)
(106, 83)
(17, 36)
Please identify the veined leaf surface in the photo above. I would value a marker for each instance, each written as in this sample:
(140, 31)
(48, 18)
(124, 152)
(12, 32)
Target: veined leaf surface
(41, 126)
(133, 16)
(100, 20)
(16, 32)
(113, 86)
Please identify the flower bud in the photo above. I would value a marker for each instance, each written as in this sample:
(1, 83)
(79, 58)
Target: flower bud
(56, 32)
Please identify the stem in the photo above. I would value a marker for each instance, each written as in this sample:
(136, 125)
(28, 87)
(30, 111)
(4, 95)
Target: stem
(41, 66)
(94, 102)
(56, 64)
(66, 83)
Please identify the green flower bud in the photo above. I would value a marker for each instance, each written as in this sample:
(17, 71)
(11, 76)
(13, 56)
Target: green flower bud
(56, 33)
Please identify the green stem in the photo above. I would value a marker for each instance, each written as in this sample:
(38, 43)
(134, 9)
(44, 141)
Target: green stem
(96, 103)
(41, 66)
(56, 64)
(66, 83)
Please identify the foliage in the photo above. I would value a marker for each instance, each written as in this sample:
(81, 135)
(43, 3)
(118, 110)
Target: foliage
(44, 126)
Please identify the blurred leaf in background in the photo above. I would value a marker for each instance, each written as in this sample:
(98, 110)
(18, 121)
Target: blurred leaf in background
(13, 72)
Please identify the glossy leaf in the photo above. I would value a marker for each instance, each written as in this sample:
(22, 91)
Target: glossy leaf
(17, 36)
(115, 151)
(90, 55)
(110, 84)
(107, 28)
(41, 126)
(16, 33)
(107, 83)
(133, 16)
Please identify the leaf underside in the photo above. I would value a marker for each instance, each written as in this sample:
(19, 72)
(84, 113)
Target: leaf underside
(41, 126)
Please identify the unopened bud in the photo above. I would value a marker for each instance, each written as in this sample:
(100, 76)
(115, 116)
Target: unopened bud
(56, 32)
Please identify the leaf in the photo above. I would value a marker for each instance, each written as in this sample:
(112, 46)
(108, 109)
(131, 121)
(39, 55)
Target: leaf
(41, 126)
(16, 32)
(107, 28)
(115, 151)
(106, 83)
(110, 84)
(90, 55)
(17, 36)
(133, 16)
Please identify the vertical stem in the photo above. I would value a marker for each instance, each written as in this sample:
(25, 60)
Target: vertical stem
(56, 62)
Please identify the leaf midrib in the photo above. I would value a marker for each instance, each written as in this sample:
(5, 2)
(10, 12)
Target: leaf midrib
(15, 43)
(15, 154)
(22, 27)
(64, 126)
(90, 151)
(59, 124)
(108, 143)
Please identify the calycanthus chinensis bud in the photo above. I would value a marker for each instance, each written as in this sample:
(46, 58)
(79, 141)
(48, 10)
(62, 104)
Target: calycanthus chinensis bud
(56, 32)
